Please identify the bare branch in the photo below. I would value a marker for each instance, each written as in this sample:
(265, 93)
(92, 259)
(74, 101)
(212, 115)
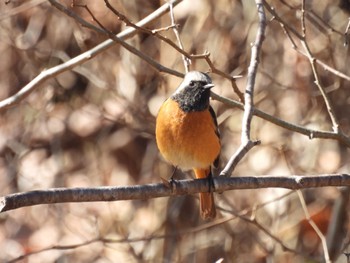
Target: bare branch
(335, 123)
(225, 75)
(186, 56)
(302, 18)
(268, 233)
(80, 59)
(182, 187)
(315, 227)
(185, 59)
(116, 39)
(287, 29)
(311, 133)
(246, 142)
(154, 32)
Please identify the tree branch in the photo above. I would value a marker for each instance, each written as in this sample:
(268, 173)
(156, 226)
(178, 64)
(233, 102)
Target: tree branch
(181, 187)
(331, 111)
(313, 225)
(80, 59)
(121, 42)
(186, 57)
(246, 142)
(311, 133)
(287, 29)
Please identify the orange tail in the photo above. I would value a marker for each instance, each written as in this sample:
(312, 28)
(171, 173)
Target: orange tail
(207, 205)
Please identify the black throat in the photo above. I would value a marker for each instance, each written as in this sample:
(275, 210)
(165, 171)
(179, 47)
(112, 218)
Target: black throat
(192, 98)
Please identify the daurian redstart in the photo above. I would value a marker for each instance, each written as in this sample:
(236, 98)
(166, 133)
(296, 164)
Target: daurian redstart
(187, 132)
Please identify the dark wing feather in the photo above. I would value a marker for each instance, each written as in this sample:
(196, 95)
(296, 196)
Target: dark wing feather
(213, 115)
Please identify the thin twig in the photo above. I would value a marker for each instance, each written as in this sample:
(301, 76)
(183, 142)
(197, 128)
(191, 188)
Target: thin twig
(186, 60)
(330, 69)
(246, 142)
(316, 20)
(268, 233)
(182, 187)
(286, 32)
(302, 18)
(314, 226)
(331, 112)
(276, 17)
(225, 75)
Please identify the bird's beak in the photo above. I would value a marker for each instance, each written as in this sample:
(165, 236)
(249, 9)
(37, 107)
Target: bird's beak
(208, 86)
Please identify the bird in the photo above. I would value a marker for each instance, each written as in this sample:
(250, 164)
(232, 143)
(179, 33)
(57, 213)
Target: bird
(187, 133)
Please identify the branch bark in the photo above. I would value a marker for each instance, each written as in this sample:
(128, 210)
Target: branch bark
(182, 187)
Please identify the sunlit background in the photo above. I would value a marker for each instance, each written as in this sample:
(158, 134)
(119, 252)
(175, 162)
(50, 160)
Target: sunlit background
(94, 126)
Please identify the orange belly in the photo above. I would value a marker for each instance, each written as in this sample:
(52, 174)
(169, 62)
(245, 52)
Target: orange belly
(186, 140)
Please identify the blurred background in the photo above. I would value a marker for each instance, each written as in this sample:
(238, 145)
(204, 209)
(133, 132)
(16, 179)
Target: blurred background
(94, 126)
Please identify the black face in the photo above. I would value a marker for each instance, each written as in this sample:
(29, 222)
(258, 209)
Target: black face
(194, 97)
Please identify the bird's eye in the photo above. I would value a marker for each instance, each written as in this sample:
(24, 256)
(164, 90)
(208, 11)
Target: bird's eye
(191, 83)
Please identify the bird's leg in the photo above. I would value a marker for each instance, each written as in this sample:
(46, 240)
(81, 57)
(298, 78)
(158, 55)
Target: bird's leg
(172, 175)
(171, 182)
(211, 182)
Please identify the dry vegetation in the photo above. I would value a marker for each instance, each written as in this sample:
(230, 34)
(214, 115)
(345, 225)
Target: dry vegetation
(94, 126)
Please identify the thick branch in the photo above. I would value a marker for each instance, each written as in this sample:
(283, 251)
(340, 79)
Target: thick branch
(183, 187)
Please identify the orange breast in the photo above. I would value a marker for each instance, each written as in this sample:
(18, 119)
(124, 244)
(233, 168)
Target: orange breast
(187, 140)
